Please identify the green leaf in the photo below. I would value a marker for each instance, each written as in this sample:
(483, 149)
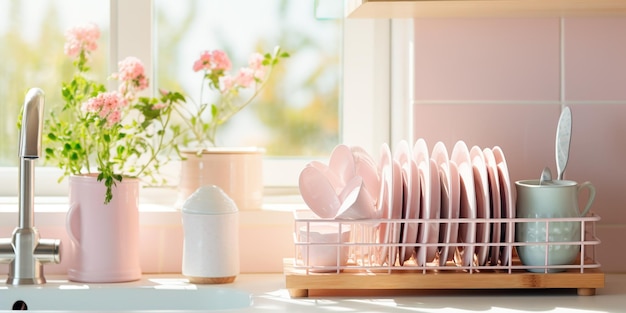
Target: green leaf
(177, 96)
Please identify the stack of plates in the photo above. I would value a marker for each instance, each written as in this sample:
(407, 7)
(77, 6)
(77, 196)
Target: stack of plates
(468, 187)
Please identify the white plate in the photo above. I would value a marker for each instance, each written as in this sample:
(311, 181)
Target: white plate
(496, 213)
(483, 207)
(410, 205)
(449, 179)
(467, 231)
(508, 206)
(427, 232)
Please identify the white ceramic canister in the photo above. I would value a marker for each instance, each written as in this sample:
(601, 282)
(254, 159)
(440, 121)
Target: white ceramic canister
(211, 237)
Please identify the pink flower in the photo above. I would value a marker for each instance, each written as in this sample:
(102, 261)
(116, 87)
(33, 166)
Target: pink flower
(245, 77)
(211, 61)
(114, 118)
(107, 105)
(256, 64)
(131, 73)
(256, 61)
(159, 106)
(226, 83)
(220, 60)
(83, 37)
(203, 63)
(131, 70)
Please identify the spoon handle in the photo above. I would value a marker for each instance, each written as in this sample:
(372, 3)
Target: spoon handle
(563, 139)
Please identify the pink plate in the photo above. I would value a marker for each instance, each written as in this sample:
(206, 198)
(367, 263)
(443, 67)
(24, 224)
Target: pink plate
(508, 206)
(450, 192)
(384, 202)
(483, 206)
(429, 203)
(496, 213)
(467, 231)
(410, 196)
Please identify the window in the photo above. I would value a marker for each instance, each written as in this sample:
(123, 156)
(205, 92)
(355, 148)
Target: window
(364, 119)
(297, 112)
(31, 37)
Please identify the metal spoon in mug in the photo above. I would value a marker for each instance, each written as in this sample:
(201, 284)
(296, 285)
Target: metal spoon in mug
(546, 176)
(563, 138)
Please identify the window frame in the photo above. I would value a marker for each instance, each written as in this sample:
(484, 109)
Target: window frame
(376, 99)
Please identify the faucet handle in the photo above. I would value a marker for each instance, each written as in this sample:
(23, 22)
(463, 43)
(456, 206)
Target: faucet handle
(32, 124)
(48, 251)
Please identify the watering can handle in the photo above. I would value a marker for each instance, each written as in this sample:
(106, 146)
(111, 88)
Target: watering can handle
(70, 222)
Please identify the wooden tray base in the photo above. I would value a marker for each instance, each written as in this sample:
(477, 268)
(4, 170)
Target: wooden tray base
(211, 280)
(403, 282)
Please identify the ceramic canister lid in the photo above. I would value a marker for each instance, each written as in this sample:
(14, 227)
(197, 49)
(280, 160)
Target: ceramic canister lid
(209, 199)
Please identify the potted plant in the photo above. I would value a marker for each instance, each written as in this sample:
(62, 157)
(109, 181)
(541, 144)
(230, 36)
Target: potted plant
(238, 171)
(105, 141)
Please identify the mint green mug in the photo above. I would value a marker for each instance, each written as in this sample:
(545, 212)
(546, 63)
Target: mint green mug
(556, 199)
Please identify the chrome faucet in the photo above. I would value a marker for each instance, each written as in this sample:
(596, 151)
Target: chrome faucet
(26, 252)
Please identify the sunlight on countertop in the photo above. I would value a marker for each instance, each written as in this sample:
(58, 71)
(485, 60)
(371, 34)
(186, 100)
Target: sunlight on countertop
(269, 295)
(273, 297)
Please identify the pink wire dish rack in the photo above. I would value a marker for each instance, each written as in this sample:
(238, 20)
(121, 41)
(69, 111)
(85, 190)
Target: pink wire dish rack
(377, 254)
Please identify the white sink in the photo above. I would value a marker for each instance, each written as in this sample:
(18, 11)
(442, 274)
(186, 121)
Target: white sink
(145, 295)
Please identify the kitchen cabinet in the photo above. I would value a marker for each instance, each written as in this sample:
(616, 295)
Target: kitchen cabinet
(482, 8)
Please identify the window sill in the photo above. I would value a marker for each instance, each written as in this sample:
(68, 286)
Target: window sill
(161, 233)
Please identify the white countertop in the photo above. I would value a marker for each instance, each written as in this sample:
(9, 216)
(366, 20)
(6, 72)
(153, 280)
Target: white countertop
(270, 295)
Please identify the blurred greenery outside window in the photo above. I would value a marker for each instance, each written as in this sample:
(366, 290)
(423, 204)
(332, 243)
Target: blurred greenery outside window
(295, 116)
(297, 113)
(31, 50)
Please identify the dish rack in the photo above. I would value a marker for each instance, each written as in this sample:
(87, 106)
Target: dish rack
(361, 262)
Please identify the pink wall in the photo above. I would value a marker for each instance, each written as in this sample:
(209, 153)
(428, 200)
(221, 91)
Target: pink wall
(502, 82)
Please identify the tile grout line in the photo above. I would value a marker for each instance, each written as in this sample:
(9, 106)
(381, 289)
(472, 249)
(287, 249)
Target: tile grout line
(562, 61)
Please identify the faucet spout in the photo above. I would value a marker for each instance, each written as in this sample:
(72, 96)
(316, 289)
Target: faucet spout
(32, 124)
(25, 251)
(29, 151)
